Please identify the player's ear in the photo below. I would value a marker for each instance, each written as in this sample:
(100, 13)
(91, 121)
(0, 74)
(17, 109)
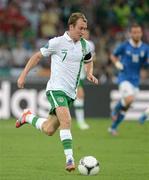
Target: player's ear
(71, 26)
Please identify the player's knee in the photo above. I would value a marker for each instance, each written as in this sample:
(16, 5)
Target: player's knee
(50, 131)
(129, 100)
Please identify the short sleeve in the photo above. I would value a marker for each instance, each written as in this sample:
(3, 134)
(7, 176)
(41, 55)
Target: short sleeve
(92, 47)
(49, 48)
(119, 50)
(88, 55)
(88, 47)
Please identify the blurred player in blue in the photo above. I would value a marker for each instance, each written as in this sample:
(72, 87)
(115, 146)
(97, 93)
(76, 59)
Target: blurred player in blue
(128, 58)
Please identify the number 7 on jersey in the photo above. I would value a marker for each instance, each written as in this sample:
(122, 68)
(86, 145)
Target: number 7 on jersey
(65, 54)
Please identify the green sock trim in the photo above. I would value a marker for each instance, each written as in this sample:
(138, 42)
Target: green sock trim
(79, 107)
(34, 121)
(67, 144)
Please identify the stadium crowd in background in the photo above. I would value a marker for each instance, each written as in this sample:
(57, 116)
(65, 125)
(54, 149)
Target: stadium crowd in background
(26, 25)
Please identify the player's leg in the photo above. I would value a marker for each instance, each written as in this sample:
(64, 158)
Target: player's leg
(64, 117)
(79, 108)
(60, 101)
(118, 107)
(121, 115)
(51, 125)
(128, 93)
(47, 125)
(144, 116)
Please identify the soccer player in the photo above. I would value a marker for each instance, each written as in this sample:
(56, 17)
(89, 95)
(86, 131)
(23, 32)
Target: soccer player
(67, 52)
(128, 59)
(79, 102)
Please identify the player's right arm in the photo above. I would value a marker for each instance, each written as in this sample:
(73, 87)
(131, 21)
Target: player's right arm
(115, 56)
(33, 61)
(115, 60)
(47, 50)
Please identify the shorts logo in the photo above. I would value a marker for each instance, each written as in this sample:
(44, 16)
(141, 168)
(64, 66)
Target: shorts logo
(60, 99)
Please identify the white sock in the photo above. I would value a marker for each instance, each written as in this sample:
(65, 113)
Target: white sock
(66, 138)
(69, 154)
(29, 118)
(79, 110)
(35, 121)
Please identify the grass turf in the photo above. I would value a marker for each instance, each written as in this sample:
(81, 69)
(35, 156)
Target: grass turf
(26, 154)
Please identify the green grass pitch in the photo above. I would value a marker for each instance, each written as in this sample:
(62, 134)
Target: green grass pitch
(26, 154)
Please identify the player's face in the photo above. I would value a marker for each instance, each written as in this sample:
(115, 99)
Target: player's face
(136, 33)
(77, 31)
(86, 35)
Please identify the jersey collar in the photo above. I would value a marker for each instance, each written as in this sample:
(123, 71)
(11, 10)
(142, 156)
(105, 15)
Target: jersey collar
(67, 36)
(134, 45)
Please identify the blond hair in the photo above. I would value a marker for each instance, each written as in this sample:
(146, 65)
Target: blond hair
(74, 17)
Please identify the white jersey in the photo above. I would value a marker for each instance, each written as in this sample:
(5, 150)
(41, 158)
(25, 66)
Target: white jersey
(92, 47)
(92, 50)
(66, 60)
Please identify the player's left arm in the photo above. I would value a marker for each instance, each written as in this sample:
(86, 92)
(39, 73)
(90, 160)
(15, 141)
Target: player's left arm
(89, 68)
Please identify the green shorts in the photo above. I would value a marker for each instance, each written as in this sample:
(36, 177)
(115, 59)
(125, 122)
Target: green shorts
(81, 83)
(58, 98)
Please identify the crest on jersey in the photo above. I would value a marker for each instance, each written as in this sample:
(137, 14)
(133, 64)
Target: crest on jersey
(60, 99)
(128, 52)
(64, 50)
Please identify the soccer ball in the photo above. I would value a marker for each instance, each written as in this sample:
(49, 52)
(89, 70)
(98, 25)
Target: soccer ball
(88, 165)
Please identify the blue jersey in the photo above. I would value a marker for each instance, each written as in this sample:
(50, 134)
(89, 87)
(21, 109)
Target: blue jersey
(132, 59)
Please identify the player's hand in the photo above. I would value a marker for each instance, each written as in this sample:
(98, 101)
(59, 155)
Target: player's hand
(119, 65)
(92, 78)
(21, 81)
